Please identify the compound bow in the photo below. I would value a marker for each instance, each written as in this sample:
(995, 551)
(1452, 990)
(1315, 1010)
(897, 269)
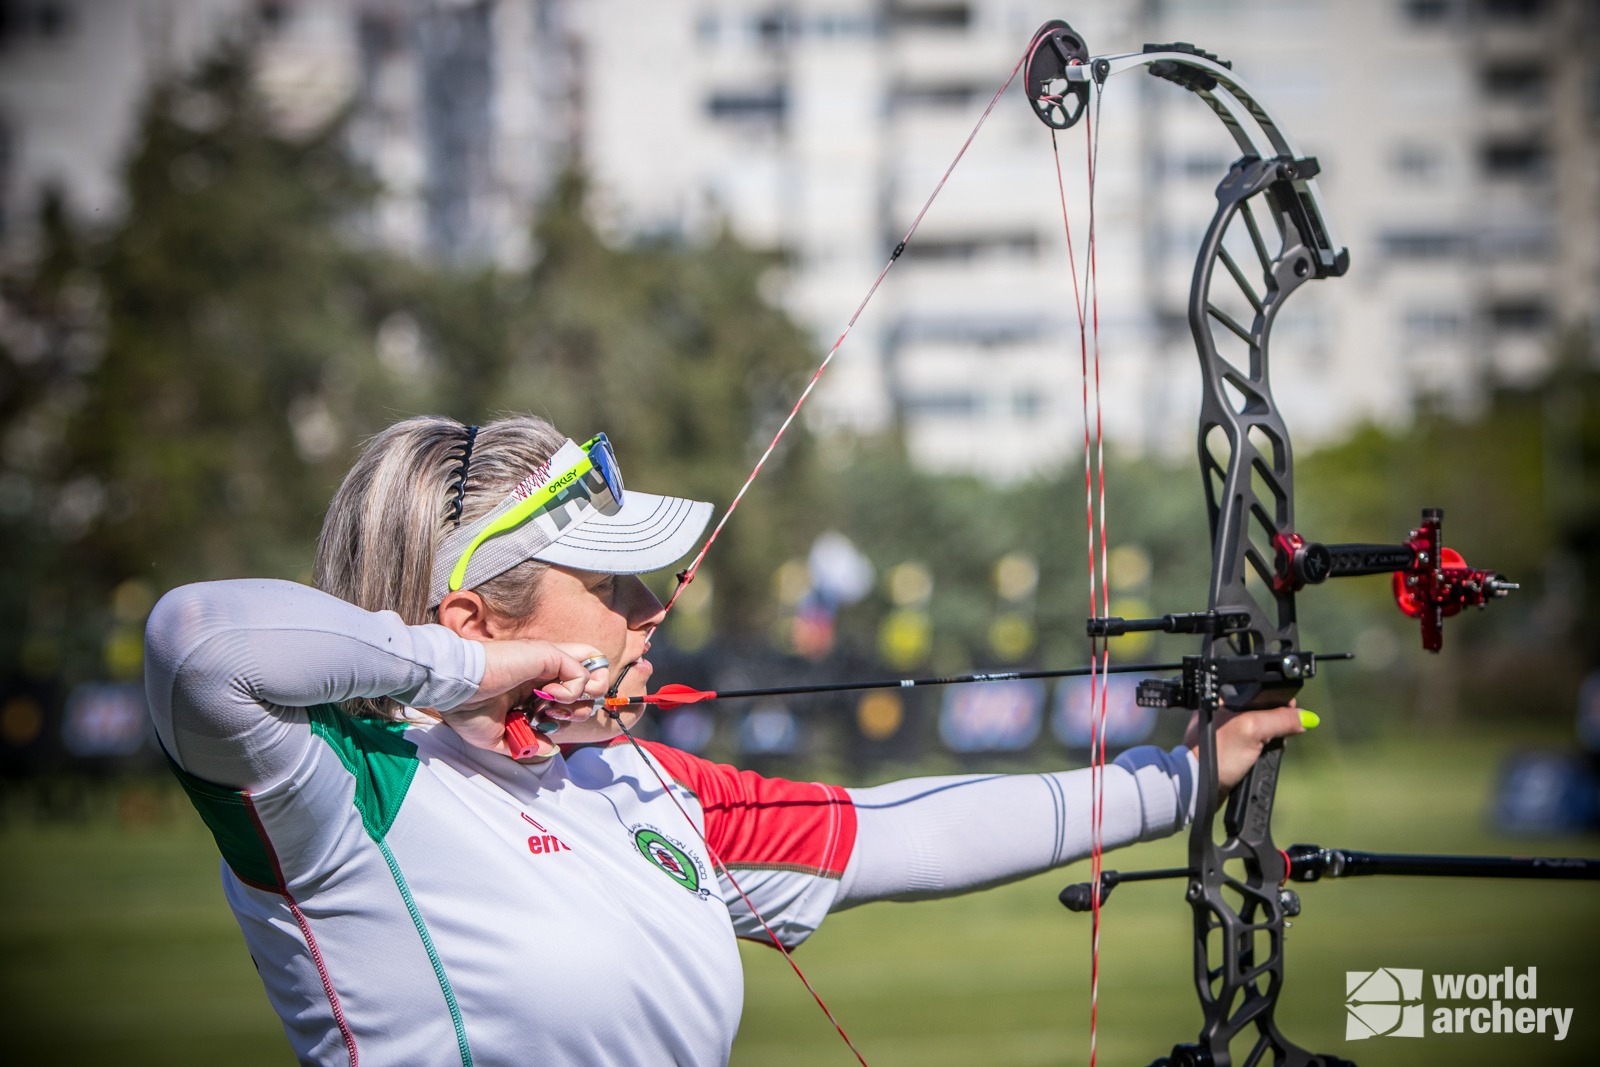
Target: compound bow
(1250, 655)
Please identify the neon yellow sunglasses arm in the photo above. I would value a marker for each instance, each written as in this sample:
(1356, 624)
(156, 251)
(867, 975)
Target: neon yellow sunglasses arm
(527, 509)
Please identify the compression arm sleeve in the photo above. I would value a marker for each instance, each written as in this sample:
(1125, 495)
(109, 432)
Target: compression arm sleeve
(932, 837)
(230, 666)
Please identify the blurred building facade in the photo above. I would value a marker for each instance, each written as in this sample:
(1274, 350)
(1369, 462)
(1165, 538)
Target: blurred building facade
(463, 110)
(1460, 143)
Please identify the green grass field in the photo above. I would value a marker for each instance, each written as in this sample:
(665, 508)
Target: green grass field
(117, 947)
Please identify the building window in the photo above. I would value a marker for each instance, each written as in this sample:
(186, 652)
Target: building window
(966, 249)
(1428, 12)
(977, 331)
(1027, 404)
(1519, 316)
(1515, 10)
(908, 15)
(766, 106)
(1175, 241)
(933, 96)
(41, 19)
(272, 15)
(1520, 82)
(1517, 160)
(1205, 166)
(840, 25)
(1422, 325)
(956, 404)
(779, 27)
(1528, 241)
(1417, 162)
(773, 28)
(1419, 244)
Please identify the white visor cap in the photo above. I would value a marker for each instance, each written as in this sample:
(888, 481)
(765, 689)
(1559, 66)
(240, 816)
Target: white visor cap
(647, 533)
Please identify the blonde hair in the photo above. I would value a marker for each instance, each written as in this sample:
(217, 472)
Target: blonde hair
(385, 521)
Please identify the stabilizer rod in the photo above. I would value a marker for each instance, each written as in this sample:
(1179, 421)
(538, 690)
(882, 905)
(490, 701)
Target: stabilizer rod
(1311, 863)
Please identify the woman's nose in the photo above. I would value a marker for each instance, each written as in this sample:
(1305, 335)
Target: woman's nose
(643, 609)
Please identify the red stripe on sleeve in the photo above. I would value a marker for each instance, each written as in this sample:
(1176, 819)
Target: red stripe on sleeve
(766, 823)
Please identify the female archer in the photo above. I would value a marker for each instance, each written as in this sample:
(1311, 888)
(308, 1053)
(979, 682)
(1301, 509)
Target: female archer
(411, 893)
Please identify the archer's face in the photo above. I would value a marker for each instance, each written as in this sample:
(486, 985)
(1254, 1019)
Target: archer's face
(612, 612)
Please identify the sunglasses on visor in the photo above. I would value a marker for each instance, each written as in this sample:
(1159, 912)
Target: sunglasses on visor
(596, 479)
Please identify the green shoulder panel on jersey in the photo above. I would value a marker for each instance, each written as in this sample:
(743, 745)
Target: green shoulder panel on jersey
(382, 761)
(226, 813)
(383, 764)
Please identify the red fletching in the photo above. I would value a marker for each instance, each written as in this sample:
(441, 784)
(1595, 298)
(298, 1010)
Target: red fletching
(674, 695)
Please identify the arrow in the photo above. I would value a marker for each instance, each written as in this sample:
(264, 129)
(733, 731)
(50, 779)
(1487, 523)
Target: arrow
(675, 695)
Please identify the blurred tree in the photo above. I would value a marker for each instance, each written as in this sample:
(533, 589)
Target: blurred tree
(672, 350)
(1571, 468)
(210, 348)
(50, 337)
(1515, 479)
(181, 395)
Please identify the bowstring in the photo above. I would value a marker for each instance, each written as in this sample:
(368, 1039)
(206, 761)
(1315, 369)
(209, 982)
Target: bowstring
(688, 574)
(1079, 293)
(1092, 281)
(1086, 301)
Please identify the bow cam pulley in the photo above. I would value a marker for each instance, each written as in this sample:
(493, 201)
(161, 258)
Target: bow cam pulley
(1057, 75)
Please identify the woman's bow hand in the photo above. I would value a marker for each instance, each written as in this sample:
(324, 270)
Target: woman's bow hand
(1241, 735)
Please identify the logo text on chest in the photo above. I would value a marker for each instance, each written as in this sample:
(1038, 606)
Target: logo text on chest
(544, 841)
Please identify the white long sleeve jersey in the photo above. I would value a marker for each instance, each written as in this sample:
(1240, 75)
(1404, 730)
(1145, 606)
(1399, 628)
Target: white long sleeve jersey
(410, 899)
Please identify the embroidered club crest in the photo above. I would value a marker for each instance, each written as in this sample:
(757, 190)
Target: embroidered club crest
(670, 855)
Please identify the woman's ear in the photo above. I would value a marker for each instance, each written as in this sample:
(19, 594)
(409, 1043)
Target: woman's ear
(467, 614)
